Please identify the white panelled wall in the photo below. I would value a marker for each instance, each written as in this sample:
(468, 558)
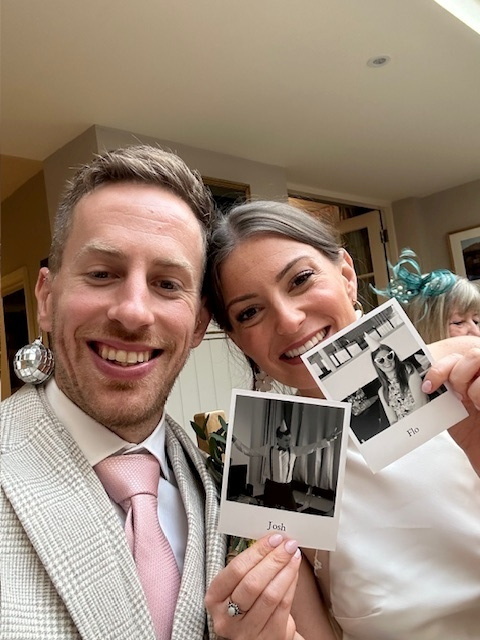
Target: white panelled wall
(214, 368)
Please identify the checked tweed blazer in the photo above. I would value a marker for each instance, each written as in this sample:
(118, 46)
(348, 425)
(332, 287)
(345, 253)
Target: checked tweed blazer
(66, 568)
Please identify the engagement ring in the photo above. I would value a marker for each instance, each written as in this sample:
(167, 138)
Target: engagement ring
(233, 609)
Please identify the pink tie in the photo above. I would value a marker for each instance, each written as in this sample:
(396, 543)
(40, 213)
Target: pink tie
(132, 482)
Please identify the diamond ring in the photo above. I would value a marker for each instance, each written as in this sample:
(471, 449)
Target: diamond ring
(233, 609)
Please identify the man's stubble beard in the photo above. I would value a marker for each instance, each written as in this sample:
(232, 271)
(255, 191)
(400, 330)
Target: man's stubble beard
(121, 417)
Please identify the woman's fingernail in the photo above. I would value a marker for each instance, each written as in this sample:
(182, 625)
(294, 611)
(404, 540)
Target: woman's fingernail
(291, 546)
(275, 540)
(297, 553)
(427, 386)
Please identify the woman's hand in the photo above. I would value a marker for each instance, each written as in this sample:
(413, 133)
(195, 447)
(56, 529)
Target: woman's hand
(462, 371)
(261, 582)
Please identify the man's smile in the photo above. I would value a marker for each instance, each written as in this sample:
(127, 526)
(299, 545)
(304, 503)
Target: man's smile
(123, 357)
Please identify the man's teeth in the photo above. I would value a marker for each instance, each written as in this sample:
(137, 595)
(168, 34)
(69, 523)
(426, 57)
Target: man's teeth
(124, 357)
(308, 345)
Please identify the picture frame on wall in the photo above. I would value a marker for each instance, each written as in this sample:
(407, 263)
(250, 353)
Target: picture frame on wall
(465, 253)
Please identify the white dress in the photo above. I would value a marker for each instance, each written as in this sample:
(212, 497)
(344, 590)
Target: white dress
(407, 564)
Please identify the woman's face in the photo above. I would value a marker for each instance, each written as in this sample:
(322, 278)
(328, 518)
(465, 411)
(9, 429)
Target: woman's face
(384, 360)
(464, 324)
(283, 297)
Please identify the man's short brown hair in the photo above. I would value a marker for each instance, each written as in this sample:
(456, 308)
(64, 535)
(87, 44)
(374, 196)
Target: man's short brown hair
(141, 164)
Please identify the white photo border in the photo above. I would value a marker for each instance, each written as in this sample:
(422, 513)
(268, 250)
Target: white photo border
(398, 438)
(253, 521)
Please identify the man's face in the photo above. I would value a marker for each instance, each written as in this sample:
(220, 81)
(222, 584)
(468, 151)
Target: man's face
(124, 310)
(283, 441)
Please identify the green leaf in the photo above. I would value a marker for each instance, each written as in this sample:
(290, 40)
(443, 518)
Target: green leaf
(198, 430)
(218, 438)
(212, 447)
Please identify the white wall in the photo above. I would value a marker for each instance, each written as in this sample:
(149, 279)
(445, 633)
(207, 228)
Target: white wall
(206, 382)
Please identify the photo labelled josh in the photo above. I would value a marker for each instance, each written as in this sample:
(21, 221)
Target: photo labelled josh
(378, 365)
(284, 467)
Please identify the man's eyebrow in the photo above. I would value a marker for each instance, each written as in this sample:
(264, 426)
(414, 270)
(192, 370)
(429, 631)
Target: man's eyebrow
(278, 277)
(102, 248)
(108, 251)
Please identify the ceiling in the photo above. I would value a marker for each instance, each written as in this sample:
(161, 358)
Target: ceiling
(283, 82)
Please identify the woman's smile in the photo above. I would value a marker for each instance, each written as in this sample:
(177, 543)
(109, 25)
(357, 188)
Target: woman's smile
(283, 298)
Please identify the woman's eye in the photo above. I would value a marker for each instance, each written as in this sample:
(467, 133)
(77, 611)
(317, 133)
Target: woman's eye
(458, 322)
(246, 314)
(302, 277)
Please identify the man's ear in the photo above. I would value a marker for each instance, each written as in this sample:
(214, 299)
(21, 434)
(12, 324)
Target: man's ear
(43, 293)
(350, 275)
(203, 318)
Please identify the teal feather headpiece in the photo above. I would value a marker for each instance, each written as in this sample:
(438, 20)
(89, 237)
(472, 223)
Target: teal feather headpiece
(408, 282)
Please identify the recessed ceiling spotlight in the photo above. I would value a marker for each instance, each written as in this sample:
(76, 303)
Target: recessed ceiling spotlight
(378, 61)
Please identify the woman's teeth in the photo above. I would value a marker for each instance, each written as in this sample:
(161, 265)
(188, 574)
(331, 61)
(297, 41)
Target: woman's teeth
(307, 346)
(123, 357)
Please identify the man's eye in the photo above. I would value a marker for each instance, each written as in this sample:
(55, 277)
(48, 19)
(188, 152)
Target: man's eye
(99, 275)
(167, 285)
(246, 314)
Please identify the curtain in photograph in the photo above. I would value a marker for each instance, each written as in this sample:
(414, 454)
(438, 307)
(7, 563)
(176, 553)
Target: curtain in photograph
(265, 421)
(274, 415)
(307, 423)
(311, 423)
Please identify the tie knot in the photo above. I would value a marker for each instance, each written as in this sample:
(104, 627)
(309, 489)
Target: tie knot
(129, 475)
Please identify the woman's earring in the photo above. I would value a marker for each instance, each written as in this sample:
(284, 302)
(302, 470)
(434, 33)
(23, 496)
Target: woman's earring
(263, 382)
(358, 309)
(34, 363)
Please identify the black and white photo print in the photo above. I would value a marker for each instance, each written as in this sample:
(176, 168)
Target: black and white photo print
(284, 467)
(377, 365)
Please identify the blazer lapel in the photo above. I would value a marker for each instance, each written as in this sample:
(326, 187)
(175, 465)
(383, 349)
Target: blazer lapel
(74, 530)
(206, 549)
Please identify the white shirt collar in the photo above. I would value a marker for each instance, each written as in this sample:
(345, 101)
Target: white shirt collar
(94, 439)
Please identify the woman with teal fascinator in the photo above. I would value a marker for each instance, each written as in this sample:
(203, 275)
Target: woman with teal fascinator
(440, 304)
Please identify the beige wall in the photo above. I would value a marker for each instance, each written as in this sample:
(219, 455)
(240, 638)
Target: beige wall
(61, 165)
(266, 181)
(25, 229)
(25, 242)
(424, 223)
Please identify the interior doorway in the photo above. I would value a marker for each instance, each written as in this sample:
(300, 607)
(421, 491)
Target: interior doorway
(17, 325)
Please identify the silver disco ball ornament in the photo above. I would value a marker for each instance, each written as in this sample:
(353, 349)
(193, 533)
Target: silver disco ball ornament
(33, 363)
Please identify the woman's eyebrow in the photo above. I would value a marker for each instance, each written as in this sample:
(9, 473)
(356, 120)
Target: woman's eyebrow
(281, 274)
(287, 267)
(242, 298)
